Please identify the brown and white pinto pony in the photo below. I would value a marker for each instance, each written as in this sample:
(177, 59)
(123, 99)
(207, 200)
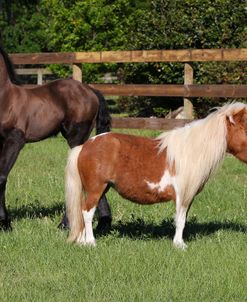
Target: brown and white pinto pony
(174, 166)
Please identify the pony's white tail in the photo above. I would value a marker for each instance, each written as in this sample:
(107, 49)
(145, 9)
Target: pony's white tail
(73, 195)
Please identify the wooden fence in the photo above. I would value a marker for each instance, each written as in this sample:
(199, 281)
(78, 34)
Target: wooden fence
(187, 91)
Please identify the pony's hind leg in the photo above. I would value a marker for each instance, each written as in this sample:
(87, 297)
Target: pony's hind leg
(88, 236)
(88, 210)
(76, 134)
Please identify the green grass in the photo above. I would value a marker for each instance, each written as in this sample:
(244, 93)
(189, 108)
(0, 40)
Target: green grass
(136, 261)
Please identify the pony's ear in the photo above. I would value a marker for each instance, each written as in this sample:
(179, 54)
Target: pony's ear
(230, 119)
(237, 118)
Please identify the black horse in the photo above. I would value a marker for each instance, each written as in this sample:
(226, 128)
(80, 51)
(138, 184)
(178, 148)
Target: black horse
(30, 115)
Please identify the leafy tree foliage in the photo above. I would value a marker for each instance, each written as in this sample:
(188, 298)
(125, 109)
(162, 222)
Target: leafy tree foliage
(87, 25)
(22, 24)
(174, 24)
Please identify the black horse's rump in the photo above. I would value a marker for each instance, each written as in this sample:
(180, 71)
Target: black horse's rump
(30, 115)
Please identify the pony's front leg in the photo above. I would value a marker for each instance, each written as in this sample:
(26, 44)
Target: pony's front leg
(87, 237)
(11, 146)
(180, 219)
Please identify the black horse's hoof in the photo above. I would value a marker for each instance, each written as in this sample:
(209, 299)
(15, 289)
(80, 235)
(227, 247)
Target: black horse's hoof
(63, 226)
(104, 225)
(5, 225)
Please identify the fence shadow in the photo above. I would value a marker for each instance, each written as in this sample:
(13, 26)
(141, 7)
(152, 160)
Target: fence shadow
(142, 230)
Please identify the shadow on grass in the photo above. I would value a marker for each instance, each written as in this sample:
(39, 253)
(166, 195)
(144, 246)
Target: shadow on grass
(37, 210)
(135, 229)
(139, 229)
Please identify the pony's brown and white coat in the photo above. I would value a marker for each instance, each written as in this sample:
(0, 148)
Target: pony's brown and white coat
(175, 166)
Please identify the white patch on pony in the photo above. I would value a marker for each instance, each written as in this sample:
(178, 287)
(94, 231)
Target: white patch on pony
(165, 181)
(101, 134)
(88, 220)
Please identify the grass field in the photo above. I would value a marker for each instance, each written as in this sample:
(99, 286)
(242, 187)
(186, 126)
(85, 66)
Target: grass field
(136, 261)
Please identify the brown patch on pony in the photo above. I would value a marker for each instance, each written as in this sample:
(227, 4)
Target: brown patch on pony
(127, 163)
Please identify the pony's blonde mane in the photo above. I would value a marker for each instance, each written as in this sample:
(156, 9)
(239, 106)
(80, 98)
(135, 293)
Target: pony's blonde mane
(197, 148)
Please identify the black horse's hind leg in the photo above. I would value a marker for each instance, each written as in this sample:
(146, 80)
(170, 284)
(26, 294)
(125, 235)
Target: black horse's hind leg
(104, 216)
(10, 148)
(77, 134)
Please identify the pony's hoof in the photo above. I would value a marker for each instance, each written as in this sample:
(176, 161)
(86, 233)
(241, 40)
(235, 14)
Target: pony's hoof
(91, 244)
(104, 225)
(87, 244)
(180, 245)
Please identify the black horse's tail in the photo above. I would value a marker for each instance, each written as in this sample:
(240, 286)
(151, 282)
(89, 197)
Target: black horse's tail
(103, 120)
(10, 67)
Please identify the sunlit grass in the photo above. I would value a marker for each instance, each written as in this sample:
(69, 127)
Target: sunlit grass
(136, 261)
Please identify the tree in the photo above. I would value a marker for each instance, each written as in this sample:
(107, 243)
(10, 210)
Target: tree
(175, 24)
(23, 26)
(90, 25)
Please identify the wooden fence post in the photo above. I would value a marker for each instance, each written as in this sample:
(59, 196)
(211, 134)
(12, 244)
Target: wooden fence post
(188, 80)
(39, 77)
(77, 73)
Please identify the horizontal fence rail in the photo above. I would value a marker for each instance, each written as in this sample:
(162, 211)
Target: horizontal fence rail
(152, 123)
(224, 91)
(191, 91)
(135, 56)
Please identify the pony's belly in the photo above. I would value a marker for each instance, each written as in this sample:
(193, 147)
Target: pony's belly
(144, 187)
(146, 195)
